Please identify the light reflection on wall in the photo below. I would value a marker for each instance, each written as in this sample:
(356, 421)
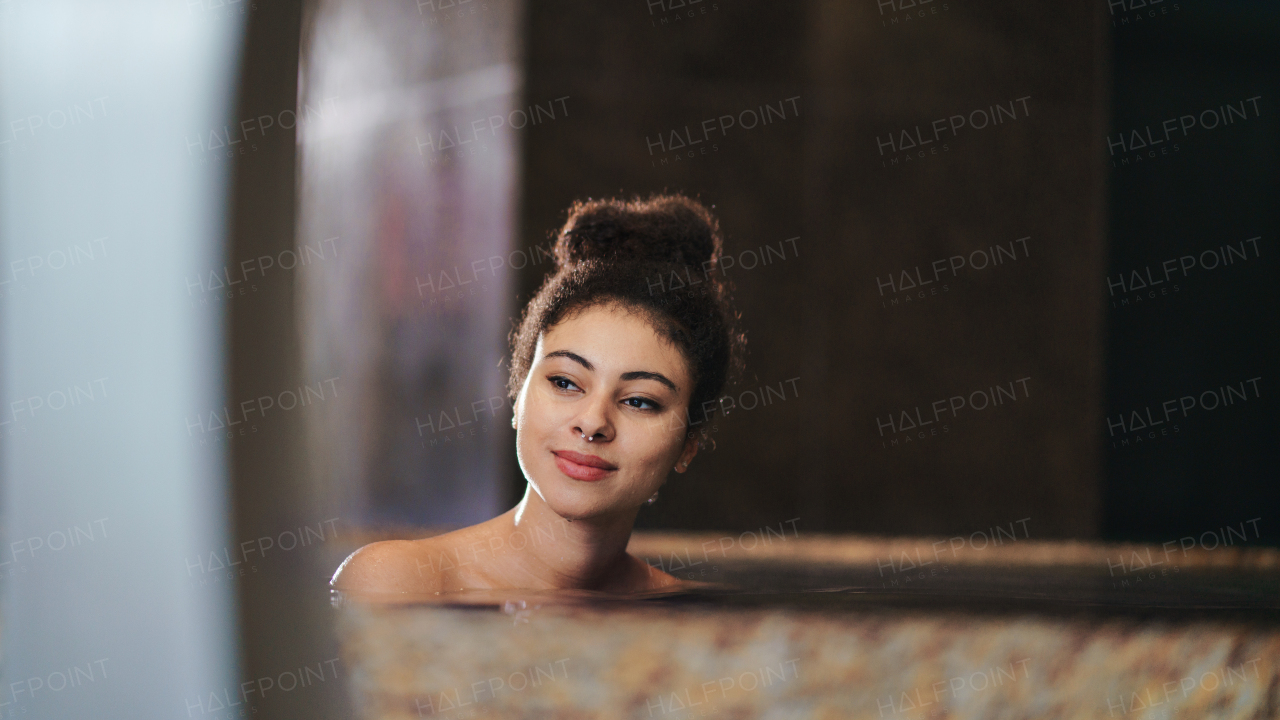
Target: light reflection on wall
(414, 171)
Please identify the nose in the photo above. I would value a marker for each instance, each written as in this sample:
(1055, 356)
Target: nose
(593, 423)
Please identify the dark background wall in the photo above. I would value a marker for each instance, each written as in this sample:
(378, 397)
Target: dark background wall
(633, 81)
(1216, 325)
(934, 214)
(861, 350)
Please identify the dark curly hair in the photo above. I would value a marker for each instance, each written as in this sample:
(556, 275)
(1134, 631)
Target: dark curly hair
(659, 257)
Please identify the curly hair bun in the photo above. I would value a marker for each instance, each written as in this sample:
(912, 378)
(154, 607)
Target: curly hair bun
(643, 254)
(663, 228)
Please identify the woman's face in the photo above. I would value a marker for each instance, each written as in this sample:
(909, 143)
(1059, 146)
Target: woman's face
(603, 374)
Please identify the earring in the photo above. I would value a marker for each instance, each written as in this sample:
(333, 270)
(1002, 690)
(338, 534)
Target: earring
(652, 498)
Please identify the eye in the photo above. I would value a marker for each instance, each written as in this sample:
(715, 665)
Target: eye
(653, 406)
(556, 380)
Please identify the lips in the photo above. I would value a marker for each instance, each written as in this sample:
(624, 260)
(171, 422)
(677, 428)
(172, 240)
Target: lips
(587, 468)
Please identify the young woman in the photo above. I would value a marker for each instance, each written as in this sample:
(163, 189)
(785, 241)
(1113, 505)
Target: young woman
(616, 369)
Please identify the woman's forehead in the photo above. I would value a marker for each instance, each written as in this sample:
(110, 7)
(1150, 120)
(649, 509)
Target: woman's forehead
(611, 338)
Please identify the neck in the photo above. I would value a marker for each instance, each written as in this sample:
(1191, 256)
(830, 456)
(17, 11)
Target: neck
(586, 554)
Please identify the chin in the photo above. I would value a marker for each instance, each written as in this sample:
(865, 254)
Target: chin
(572, 505)
(576, 500)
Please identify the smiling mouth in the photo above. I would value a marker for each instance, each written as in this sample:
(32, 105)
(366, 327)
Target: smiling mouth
(587, 468)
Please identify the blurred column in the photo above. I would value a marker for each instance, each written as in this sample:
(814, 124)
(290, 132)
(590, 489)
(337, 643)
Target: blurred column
(287, 531)
(114, 497)
(415, 179)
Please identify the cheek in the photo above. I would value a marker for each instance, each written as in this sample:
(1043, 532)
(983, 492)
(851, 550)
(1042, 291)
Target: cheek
(531, 436)
(536, 415)
(652, 458)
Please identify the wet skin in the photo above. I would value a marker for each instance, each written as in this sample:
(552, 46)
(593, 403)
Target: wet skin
(605, 374)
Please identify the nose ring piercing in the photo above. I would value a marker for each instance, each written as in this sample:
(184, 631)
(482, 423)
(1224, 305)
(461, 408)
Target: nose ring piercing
(652, 498)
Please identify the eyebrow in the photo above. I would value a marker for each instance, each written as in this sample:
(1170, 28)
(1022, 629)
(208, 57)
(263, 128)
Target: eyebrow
(633, 375)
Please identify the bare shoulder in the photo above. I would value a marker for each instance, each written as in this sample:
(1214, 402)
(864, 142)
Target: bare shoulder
(389, 566)
(654, 578)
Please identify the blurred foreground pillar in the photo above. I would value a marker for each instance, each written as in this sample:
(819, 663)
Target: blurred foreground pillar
(285, 524)
(115, 493)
